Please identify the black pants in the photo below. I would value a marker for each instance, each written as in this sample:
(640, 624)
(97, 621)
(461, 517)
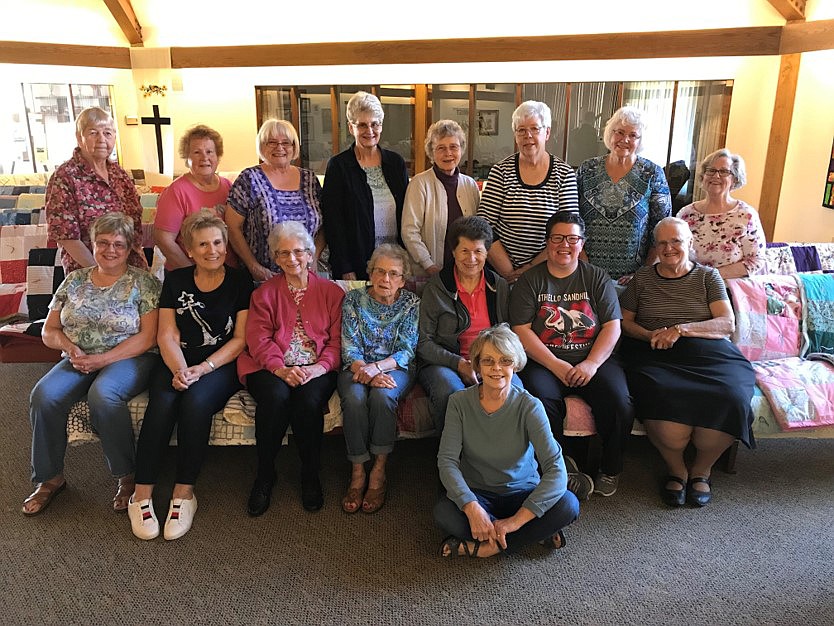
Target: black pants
(281, 406)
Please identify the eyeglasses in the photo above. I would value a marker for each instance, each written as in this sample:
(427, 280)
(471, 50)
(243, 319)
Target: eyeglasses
(118, 246)
(453, 148)
(504, 361)
(711, 171)
(571, 239)
(533, 131)
(621, 134)
(671, 242)
(378, 271)
(286, 145)
(297, 253)
(363, 126)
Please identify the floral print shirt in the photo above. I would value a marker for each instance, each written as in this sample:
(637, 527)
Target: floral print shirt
(372, 331)
(76, 196)
(620, 217)
(734, 236)
(262, 206)
(97, 319)
(302, 349)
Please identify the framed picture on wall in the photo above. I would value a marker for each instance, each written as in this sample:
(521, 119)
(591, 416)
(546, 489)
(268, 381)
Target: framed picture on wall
(488, 122)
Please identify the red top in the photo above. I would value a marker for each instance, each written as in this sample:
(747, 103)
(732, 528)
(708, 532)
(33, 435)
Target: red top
(476, 304)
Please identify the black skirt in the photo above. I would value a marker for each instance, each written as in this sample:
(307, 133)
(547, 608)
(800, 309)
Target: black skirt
(698, 382)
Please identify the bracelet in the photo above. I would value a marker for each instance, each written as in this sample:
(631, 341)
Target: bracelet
(211, 365)
(678, 328)
(381, 371)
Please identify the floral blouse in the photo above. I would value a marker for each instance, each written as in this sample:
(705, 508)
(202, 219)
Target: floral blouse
(302, 349)
(97, 319)
(262, 206)
(76, 196)
(372, 331)
(734, 236)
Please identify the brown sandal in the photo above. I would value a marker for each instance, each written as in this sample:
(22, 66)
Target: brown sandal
(352, 501)
(374, 499)
(126, 488)
(42, 496)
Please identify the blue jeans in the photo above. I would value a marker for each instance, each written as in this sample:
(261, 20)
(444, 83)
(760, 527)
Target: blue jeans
(191, 411)
(369, 414)
(439, 382)
(453, 521)
(107, 391)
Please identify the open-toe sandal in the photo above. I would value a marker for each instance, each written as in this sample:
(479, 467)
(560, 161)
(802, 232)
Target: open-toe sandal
(673, 497)
(452, 544)
(41, 497)
(122, 498)
(352, 501)
(558, 541)
(374, 499)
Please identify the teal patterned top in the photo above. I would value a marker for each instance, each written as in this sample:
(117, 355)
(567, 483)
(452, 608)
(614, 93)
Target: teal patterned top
(372, 331)
(97, 319)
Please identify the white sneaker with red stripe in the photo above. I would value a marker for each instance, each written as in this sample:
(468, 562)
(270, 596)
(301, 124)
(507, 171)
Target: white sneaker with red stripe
(180, 515)
(143, 520)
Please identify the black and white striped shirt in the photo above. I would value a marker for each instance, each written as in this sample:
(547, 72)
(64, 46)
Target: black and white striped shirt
(519, 212)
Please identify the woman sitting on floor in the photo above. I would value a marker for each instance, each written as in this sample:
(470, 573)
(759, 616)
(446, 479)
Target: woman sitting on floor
(202, 316)
(494, 436)
(690, 384)
(103, 320)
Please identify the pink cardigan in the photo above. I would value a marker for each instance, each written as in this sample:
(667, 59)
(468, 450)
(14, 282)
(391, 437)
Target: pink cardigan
(271, 319)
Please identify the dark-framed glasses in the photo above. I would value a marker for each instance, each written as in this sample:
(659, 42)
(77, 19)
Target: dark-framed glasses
(571, 239)
(711, 171)
(274, 143)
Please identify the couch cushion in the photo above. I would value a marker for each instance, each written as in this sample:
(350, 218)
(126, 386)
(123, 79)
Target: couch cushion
(768, 312)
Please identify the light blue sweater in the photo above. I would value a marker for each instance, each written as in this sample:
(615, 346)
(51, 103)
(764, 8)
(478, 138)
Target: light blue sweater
(497, 452)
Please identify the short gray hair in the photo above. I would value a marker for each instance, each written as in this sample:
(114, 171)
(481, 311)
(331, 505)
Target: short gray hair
(502, 339)
(441, 129)
(391, 251)
(277, 128)
(671, 221)
(532, 108)
(364, 102)
(624, 116)
(290, 230)
(738, 169)
(92, 116)
(115, 223)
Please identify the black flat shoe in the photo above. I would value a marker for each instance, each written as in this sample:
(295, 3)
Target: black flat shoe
(695, 497)
(673, 497)
(312, 498)
(260, 497)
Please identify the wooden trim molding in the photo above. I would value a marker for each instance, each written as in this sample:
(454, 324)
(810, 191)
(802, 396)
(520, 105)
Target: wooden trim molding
(28, 52)
(125, 17)
(777, 148)
(752, 41)
(790, 9)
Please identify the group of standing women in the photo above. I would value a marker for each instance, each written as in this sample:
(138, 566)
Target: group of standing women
(557, 237)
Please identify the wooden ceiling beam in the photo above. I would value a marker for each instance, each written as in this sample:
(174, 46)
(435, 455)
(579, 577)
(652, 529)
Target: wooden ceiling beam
(28, 52)
(790, 9)
(125, 17)
(807, 36)
(752, 41)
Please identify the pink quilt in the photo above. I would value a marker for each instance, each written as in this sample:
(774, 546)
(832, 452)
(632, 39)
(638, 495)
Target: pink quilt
(800, 392)
(768, 315)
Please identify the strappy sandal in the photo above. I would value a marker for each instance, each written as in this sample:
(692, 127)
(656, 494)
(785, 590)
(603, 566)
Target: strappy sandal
(374, 499)
(556, 542)
(352, 501)
(453, 544)
(42, 496)
(122, 498)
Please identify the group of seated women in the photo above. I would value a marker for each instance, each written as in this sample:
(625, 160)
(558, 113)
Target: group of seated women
(496, 362)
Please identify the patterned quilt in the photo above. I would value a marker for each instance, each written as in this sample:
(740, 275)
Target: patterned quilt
(800, 392)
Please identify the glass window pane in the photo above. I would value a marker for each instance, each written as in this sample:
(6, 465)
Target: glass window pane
(398, 130)
(316, 127)
(591, 105)
(85, 96)
(451, 102)
(15, 147)
(553, 95)
(51, 123)
(654, 99)
(343, 93)
(494, 139)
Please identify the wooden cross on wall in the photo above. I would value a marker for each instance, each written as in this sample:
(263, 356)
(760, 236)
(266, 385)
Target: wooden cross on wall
(158, 122)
